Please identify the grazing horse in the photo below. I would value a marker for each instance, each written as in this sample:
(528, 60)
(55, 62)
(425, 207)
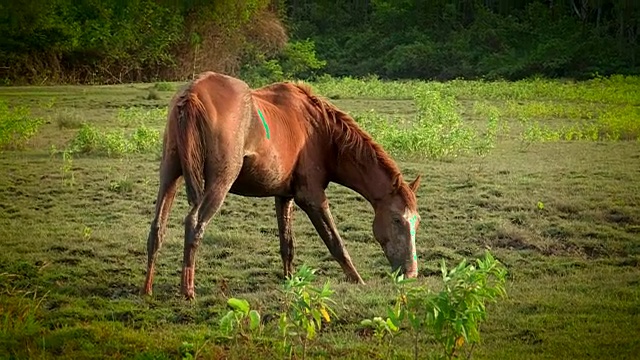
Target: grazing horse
(280, 140)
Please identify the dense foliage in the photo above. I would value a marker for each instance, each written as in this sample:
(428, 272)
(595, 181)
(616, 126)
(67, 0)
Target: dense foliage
(266, 40)
(445, 39)
(115, 41)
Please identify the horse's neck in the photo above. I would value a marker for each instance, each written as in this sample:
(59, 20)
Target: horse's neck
(373, 181)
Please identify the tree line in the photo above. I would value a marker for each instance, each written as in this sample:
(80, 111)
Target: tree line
(91, 41)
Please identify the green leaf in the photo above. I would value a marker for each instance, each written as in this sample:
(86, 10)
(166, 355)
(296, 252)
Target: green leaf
(391, 325)
(227, 322)
(393, 318)
(311, 330)
(254, 319)
(239, 304)
(414, 320)
(316, 316)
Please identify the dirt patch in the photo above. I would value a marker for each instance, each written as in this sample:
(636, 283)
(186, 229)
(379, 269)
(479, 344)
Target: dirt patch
(83, 252)
(621, 217)
(58, 248)
(513, 238)
(528, 337)
(68, 261)
(514, 243)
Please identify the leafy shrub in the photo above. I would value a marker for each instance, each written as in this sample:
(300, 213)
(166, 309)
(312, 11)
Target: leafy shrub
(450, 317)
(437, 131)
(239, 318)
(305, 307)
(135, 116)
(90, 140)
(262, 73)
(164, 86)
(17, 126)
(297, 60)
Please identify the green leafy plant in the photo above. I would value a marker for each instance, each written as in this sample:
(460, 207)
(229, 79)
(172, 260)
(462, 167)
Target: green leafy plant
(437, 131)
(299, 59)
(164, 86)
(68, 177)
(137, 116)
(90, 140)
(452, 316)
(17, 126)
(239, 318)
(187, 351)
(305, 307)
(382, 328)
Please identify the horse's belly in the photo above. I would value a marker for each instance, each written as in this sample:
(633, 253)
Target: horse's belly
(261, 177)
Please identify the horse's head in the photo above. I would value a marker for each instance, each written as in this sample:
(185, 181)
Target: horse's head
(394, 227)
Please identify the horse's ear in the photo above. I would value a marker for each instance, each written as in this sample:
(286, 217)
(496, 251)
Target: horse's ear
(415, 184)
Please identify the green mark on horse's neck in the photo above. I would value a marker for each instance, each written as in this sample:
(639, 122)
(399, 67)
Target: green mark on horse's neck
(264, 123)
(412, 224)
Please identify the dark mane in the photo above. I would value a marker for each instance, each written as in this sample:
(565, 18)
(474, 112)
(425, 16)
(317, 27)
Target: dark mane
(352, 140)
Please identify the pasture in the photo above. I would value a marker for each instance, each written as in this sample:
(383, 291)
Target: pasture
(542, 173)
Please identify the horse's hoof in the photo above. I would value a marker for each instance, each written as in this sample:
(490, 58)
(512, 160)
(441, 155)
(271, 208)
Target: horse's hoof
(189, 294)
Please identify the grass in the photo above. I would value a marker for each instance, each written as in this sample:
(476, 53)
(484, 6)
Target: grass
(563, 216)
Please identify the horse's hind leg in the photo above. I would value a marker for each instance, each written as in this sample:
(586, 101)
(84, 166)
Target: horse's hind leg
(284, 210)
(170, 172)
(219, 178)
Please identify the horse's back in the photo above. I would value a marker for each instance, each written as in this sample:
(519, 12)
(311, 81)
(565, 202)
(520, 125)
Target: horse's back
(279, 135)
(226, 93)
(227, 104)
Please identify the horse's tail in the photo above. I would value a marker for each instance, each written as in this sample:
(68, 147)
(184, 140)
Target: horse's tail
(190, 135)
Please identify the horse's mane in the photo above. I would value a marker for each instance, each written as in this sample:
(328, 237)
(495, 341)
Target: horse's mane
(356, 143)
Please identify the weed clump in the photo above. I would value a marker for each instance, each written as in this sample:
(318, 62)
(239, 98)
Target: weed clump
(153, 95)
(114, 143)
(67, 119)
(163, 86)
(136, 116)
(437, 131)
(17, 126)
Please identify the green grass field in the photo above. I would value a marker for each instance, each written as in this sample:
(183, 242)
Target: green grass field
(542, 173)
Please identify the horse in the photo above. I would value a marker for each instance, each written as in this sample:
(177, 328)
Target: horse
(281, 141)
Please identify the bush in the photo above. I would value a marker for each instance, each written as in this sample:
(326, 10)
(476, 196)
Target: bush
(17, 126)
(297, 61)
(90, 140)
(450, 317)
(437, 131)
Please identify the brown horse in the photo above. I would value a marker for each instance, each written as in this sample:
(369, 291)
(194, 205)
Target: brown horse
(283, 141)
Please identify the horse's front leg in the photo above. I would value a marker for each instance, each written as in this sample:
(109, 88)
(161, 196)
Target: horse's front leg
(316, 206)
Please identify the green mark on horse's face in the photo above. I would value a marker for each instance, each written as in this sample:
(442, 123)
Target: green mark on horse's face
(264, 123)
(412, 228)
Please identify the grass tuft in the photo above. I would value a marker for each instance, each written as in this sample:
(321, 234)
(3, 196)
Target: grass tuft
(68, 119)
